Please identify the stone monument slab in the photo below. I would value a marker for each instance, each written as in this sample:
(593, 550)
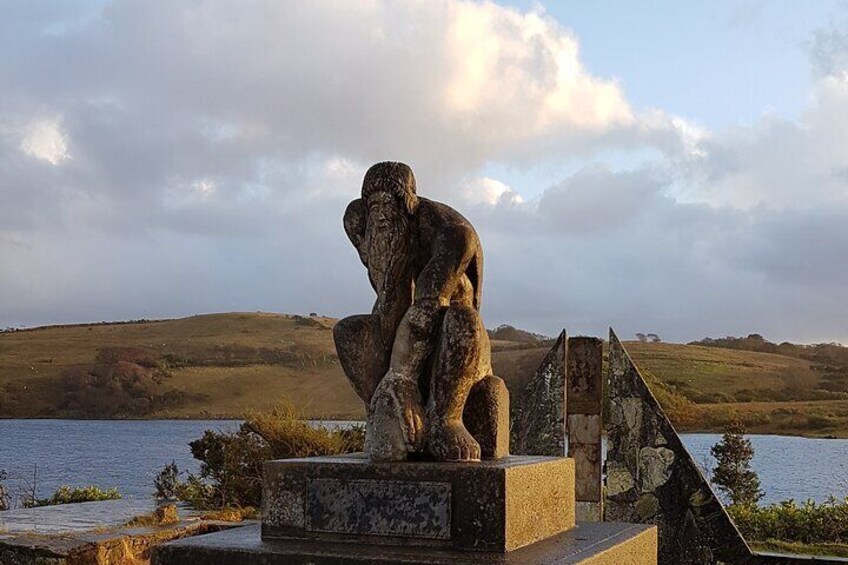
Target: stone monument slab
(604, 543)
(494, 506)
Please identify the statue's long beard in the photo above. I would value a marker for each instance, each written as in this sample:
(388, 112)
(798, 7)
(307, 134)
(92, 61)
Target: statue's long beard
(388, 241)
(387, 238)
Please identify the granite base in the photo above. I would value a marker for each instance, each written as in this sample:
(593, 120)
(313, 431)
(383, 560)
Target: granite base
(491, 506)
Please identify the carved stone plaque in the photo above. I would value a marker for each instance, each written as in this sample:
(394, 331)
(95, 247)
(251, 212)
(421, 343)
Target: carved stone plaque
(379, 507)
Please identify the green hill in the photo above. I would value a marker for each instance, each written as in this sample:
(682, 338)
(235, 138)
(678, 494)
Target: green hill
(221, 365)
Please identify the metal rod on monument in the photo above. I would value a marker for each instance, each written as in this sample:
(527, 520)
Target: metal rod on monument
(584, 408)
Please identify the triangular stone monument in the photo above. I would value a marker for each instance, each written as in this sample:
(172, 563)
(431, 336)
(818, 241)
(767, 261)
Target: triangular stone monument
(652, 478)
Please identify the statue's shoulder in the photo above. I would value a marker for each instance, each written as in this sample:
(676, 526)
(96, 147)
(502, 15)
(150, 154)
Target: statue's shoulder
(443, 217)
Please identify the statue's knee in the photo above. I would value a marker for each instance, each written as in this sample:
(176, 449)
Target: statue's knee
(422, 315)
(349, 331)
(464, 319)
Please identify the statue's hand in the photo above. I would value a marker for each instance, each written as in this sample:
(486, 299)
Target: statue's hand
(386, 310)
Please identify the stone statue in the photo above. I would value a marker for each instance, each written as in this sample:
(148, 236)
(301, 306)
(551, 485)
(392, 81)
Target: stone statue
(421, 361)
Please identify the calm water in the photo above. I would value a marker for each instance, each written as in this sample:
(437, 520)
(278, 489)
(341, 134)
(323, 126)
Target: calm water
(128, 454)
(123, 454)
(789, 467)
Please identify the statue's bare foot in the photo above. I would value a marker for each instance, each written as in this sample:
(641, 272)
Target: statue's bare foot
(397, 422)
(450, 441)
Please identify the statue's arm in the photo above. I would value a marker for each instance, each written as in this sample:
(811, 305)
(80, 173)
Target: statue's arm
(453, 250)
(354, 225)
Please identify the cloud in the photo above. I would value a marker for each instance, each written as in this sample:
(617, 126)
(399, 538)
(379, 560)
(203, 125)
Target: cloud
(776, 162)
(829, 51)
(489, 191)
(161, 158)
(45, 140)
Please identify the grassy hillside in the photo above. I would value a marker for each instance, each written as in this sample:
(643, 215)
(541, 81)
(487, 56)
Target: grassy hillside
(215, 365)
(770, 393)
(220, 365)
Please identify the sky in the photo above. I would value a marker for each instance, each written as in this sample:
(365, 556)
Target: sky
(663, 167)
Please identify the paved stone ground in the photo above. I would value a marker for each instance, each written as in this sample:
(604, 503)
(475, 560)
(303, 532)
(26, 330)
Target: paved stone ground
(91, 532)
(65, 518)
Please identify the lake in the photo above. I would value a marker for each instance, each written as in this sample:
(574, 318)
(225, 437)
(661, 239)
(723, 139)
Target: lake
(129, 454)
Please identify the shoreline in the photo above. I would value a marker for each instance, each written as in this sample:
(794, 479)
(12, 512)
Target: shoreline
(330, 420)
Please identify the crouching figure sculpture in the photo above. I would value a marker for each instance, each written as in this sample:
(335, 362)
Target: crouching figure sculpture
(421, 361)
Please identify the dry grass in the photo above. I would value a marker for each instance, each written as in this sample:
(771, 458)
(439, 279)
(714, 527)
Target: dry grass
(816, 418)
(33, 362)
(289, 435)
(228, 391)
(793, 548)
(716, 370)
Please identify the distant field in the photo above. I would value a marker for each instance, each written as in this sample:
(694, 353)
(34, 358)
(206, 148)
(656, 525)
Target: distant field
(221, 365)
(711, 371)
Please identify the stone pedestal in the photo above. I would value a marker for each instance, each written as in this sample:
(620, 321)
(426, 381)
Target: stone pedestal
(493, 506)
(346, 510)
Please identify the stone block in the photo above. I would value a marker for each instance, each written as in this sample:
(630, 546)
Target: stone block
(584, 429)
(493, 506)
(584, 367)
(587, 470)
(588, 512)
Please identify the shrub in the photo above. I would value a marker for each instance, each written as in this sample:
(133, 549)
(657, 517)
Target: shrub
(289, 435)
(820, 421)
(733, 474)
(70, 495)
(231, 461)
(787, 521)
(136, 355)
(5, 499)
(122, 381)
(167, 482)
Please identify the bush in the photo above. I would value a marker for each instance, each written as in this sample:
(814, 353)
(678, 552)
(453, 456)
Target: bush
(5, 499)
(787, 521)
(167, 482)
(231, 461)
(122, 381)
(733, 474)
(820, 421)
(70, 495)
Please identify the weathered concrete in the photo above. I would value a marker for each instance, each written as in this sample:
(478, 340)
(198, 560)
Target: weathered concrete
(652, 479)
(90, 533)
(538, 417)
(81, 517)
(489, 506)
(587, 544)
(584, 372)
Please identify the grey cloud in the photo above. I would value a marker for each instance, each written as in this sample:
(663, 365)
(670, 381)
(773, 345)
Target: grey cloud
(829, 50)
(613, 248)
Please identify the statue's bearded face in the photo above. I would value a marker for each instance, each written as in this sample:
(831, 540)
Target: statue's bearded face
(387, 240)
